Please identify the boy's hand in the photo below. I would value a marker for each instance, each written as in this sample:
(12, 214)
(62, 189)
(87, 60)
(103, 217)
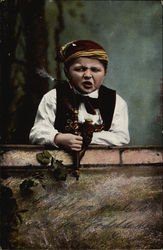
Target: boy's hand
(69, 141)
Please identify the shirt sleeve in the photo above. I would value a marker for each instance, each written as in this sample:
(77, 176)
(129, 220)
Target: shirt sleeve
(43, 131)
(118, 133)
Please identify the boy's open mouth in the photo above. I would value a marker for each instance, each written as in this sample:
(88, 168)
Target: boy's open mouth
(87, 84)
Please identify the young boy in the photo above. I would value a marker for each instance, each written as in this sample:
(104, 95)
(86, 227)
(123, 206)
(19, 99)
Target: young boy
(81, 110)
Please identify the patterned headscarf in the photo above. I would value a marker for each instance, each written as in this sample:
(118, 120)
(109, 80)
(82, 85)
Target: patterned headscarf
(82, 48)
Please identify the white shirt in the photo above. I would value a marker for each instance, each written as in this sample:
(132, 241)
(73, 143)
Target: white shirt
(43, 131)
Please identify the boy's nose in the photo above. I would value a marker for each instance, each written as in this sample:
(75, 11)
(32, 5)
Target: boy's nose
(87, 74)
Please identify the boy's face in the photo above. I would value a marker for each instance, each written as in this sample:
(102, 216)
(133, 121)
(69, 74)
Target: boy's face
(86, 74)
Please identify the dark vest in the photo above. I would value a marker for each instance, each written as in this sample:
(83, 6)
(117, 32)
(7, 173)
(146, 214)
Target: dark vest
(66, 105)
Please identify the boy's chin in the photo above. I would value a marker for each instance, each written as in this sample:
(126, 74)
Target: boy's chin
(86, 90)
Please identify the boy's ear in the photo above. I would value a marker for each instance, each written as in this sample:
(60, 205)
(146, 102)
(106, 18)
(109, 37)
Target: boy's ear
(66, 72)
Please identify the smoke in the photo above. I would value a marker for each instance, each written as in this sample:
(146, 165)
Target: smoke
(43, 73)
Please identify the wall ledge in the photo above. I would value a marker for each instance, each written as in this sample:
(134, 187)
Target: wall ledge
(24, 156)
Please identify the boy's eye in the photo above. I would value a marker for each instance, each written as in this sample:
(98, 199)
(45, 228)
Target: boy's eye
(94, 69)
(80, 69)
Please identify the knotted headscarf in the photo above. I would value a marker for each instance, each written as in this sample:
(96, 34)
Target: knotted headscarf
(82, 48)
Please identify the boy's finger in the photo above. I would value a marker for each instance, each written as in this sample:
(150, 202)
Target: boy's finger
(79, 138)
